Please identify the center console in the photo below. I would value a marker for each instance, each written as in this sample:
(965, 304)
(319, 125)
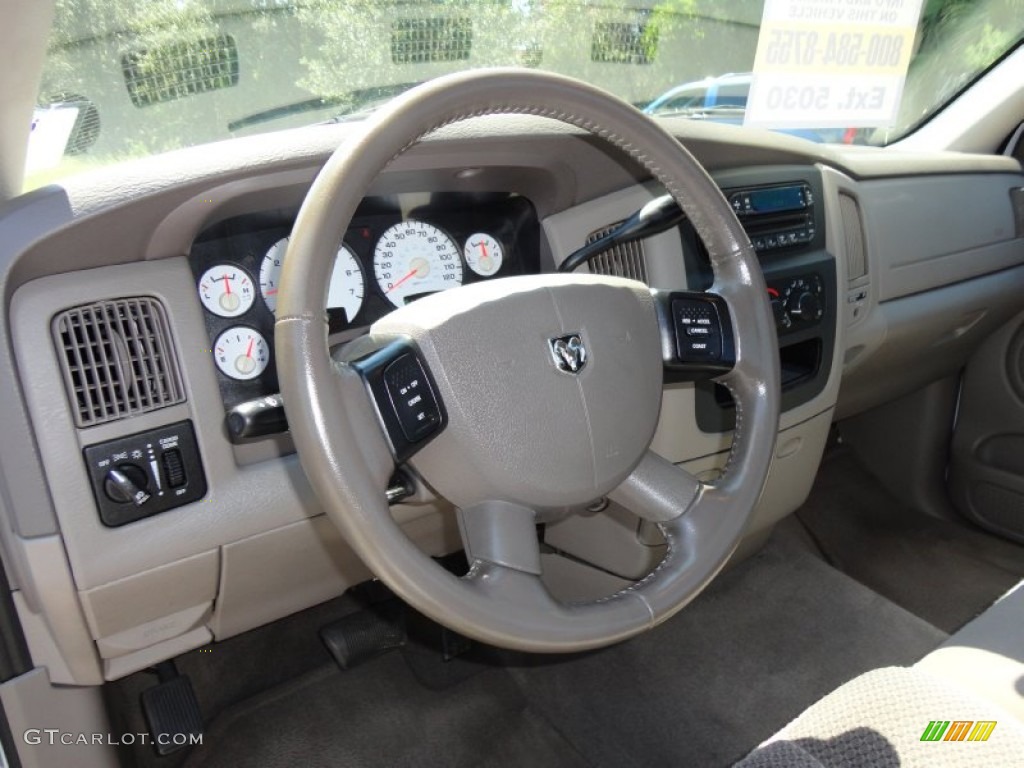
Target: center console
(786, 225)
(789, 213)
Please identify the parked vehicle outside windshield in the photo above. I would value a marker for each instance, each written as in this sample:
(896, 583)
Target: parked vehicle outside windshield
(131, 78)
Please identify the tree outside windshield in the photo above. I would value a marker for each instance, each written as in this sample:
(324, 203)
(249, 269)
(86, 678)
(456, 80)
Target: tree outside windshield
(130, 78)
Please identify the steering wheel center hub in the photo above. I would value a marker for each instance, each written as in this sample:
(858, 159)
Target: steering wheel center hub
(552, 385)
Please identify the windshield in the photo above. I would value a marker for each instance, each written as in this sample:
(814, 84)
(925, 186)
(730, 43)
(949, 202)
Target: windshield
(131, 78)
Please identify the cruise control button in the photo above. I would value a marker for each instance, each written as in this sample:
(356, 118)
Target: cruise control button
(698, 330)
(412, 398)
(699, 350)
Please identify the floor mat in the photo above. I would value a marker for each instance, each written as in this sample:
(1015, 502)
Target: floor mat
(945, 571)
(765, 640)
(378, 715)
(228, 672)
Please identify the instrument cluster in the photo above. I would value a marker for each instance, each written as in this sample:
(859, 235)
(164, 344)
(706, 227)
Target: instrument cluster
(391, 254)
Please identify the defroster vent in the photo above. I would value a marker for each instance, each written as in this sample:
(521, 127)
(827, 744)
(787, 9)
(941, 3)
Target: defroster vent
(625, 260)
(117, 359)
(853, 232)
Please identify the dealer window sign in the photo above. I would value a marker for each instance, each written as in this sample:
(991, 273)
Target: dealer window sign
(831, 63)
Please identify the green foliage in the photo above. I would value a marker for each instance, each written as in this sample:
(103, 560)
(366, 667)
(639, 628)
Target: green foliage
(359, 39)
(957, 40)
(145, 29)
(353, 54)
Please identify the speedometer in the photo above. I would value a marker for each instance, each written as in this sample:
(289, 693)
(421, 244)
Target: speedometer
(413, 258)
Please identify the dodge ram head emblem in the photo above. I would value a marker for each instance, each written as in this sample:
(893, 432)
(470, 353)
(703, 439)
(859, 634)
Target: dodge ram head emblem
(568, 353)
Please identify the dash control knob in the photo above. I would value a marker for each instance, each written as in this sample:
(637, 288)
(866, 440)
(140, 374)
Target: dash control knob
(127, 483)
(805, 306)
(144, 474)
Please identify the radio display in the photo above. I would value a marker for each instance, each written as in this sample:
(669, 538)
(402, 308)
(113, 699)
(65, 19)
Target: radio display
(775, 199)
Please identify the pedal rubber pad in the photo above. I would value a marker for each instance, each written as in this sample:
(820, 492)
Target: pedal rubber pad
(172, 714)
(361, 636)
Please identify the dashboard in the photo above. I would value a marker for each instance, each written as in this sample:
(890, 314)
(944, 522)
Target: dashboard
(397, 249)
(875, 296)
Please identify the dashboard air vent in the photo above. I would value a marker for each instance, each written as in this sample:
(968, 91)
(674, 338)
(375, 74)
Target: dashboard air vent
(626, 260)
(117, 359)
(853, 232)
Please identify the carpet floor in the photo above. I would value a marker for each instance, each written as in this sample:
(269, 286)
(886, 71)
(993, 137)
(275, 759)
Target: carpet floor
(764, 641)
(945, 571)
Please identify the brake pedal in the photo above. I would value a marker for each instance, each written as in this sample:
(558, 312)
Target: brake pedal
(172, 711)
(364, 635)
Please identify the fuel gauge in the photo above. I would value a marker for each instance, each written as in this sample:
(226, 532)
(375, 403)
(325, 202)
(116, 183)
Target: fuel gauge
(226, 290)
(483, 254)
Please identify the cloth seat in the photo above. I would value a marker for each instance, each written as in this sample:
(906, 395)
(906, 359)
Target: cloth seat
(986, 656)
(881, 717)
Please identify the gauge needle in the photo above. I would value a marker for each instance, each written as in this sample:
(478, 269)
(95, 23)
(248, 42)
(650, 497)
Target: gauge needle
(483, 247)
(271, 292)
(412, 272)
(227, 284)
(248, 352)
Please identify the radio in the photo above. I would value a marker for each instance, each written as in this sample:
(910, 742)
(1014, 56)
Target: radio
(776, 217)
(780, 212)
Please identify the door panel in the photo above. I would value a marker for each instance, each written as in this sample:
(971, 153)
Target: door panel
(986, 478)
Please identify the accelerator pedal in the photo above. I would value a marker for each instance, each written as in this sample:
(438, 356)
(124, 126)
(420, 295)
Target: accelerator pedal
(366, 634)
(171, 711)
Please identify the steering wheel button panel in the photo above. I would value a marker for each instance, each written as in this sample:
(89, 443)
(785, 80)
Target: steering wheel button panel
(410, 410)
(696, 335)
(414, 404)
(698, 330)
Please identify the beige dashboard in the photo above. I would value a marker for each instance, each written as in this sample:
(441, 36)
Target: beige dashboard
(928, 257)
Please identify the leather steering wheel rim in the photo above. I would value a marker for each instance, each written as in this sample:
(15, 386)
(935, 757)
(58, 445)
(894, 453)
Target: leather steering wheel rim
(347, 458)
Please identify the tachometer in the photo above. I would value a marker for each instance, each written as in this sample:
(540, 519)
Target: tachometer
(414, 257)
(344, 292)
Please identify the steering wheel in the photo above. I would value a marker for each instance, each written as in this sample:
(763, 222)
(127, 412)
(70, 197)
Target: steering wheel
(537, 395)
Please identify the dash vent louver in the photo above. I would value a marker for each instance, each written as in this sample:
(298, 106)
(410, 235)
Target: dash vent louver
(117, 359)
(625, 260)
(853, 233)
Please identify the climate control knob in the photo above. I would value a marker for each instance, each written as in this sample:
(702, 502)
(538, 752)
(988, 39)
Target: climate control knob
(804, 306)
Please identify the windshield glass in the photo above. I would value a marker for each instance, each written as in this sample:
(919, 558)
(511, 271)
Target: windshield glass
(131, 78)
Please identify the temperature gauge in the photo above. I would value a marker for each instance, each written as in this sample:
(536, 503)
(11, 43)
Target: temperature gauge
(226, 290)
(483, 254)
(241, 353)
